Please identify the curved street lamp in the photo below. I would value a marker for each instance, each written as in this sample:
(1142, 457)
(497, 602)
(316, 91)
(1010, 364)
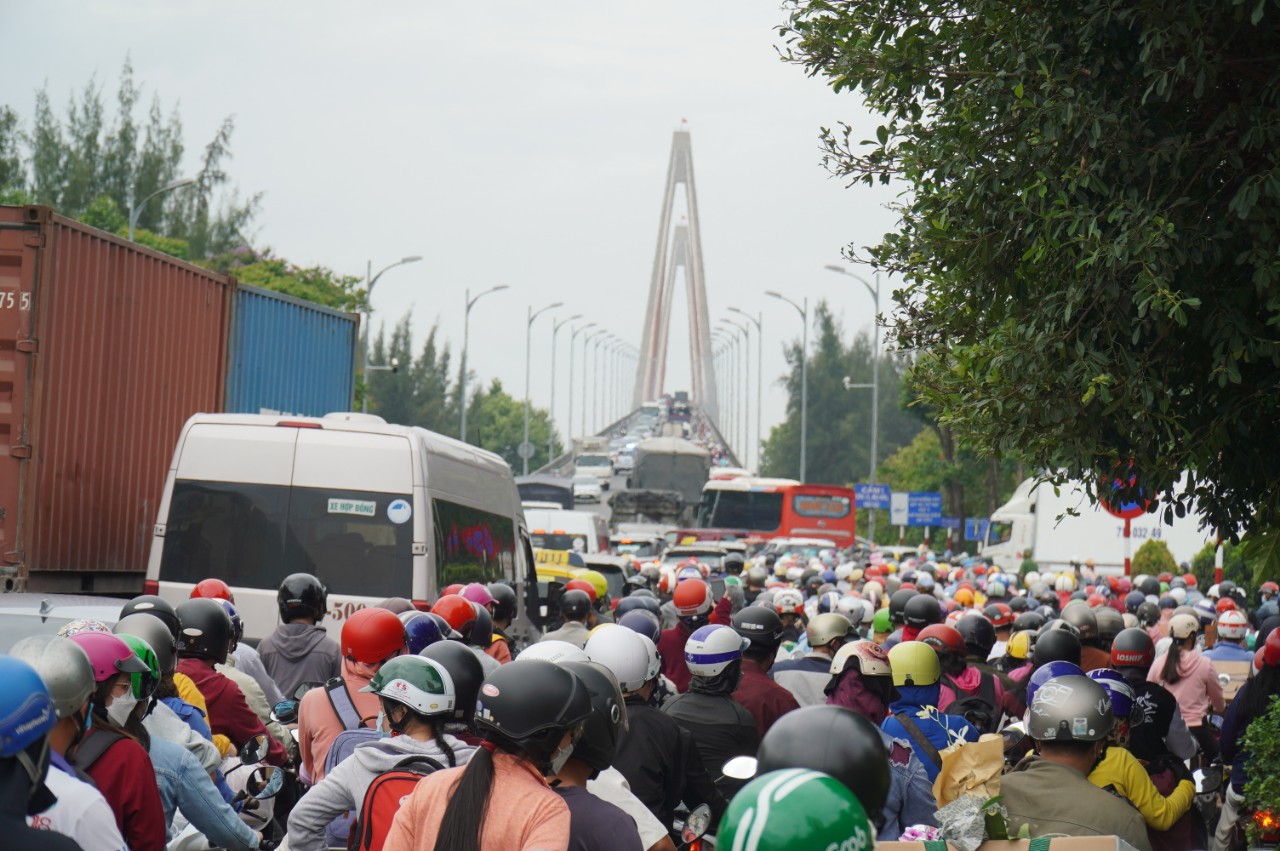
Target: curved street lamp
(370, 283)
(466, 339)
(551, 410)
(804, 374)
(528, 342)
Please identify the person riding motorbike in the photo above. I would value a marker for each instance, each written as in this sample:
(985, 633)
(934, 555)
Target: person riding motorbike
(243, 657)
(1192, 680)
(807, 678)
(914, 717)
(1253, 700)
(1156, 727)
(300, 650)
(757, 692)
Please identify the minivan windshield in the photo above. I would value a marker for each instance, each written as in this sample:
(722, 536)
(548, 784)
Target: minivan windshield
(253, 535)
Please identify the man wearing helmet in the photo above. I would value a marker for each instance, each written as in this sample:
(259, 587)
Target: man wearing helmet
(575, 608)
(300, 650)
(1233, 626)
(806, 678)
(694, 608)
(757, 692)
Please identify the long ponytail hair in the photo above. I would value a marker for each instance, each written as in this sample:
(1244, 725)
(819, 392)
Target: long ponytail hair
(464, 816)
(1170, 673)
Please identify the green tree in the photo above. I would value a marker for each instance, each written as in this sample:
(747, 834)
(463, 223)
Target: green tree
(495, 421)
(839, 440)
(13, 177)
(1088, 236)
(1154, 558)
(1238, 566)
(262, 268)
(391, 393)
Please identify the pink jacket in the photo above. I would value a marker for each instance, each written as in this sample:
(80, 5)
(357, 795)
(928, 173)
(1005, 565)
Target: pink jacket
(1197, 691)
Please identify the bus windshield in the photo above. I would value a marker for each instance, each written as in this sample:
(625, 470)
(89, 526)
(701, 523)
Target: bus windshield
(759, 511)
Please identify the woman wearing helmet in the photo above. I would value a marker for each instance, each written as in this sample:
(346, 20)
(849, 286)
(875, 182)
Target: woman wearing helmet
(1159, 728)
(1192, 680)
(416, 695)
(914, 716)
(531, 715)
(860, 680)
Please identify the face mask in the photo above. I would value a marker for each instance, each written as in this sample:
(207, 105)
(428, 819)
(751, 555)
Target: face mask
(121, 708)
(383, 733)
(560, 757)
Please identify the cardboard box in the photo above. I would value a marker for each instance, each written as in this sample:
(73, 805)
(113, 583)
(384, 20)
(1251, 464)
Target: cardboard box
(1237, 671)
(1063, 843)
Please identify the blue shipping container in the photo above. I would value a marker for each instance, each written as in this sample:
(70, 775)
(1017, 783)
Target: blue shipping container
(289, 356)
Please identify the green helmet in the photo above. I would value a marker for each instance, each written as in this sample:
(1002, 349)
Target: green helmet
(795, 808)
(880, 622)
(422, 684)
(144, 685)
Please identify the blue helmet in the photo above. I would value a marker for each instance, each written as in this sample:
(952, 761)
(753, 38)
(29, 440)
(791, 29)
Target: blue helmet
(26, 709)
(420, 630)
(1118, 689)
(644, 622)
(829, 602)
(1048, 671)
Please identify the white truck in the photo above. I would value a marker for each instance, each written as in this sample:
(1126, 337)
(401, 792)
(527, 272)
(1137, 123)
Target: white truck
(1034, 522)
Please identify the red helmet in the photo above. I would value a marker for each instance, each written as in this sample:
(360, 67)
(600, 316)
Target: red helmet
(213, 588)
(940, 637)
(1165, 577)
(582, 585)
(692, 597)
(1190, 579)
(372, 635)
(1095, 600)
(1269, 586)
(1271, 650)
(1226, 604)
(455, 588)
(979, 570)
(457, 612)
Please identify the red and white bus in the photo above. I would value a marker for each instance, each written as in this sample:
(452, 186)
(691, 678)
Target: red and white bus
(773, 508)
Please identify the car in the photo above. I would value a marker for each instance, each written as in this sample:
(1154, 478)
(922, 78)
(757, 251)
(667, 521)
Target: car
(587, 489)
(709, 554)
(26, 614)
(624, 463)
(804, 547)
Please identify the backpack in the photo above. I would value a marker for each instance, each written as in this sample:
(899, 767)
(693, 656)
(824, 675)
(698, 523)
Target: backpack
(352, 736)
(383, 798)
(980, 709)
(93, 747)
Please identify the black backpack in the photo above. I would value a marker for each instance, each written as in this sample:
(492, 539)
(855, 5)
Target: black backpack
(980, 709)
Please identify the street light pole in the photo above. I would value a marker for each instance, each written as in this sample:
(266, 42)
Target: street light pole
(746, 380)
(875, 377)
(370, 282)
(466, 339)
(586, 341)
(759, 375)
(528, 354)
(573, 337)
(804, 375)
(551, 410)
(135, 210)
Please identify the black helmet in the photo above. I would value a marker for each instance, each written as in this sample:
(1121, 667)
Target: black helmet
(1110, 622)
(833, 740)
(1019, 604)
(1149, 585)
(482, 629)
(608, 721)
(1133, 600)
(206, 629)
(733, 563)
(1148, 614)
(1083, 619)
(574, 604)
(760, 625)
(922, 610)
(504, 600)
(529, 705)
(898, 603)
(302, 595)
(979, 635)
(1028, 620)
(155, 633)
(633, 602)
(1056, 645)
(466, 671)
(156, 607)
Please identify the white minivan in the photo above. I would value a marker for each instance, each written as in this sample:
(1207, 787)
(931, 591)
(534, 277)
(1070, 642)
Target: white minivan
(372, 509)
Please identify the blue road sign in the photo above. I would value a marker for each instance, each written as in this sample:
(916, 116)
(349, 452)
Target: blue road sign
(950, 523)
(924, 509)
(871, 496)
(975, 528)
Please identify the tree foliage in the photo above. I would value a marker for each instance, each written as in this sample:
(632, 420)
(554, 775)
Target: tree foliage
(838, 444)
(1154, 558)
(1237, 567)
(1088, 237)
(495, 421)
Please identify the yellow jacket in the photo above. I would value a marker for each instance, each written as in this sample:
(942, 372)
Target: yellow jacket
(1122, 772)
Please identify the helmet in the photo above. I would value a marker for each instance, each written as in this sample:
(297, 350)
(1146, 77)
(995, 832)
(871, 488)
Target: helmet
(733, 563)
(457, 611)
(880, 621)
(922, 610)
(504, 600)
(824, 629)
(397, 605)
(633, 603)
(155, 633)
(580, 584)
(624, 653)
(1225, 604)
(1205, 610)
(63, 667)
(532, 704)
(1083, 619)
(762, 627)
(557, 651)
(1168, 602)
(1183, 626)
(1133, 648)
(155, 606)
(1110, 622)
(898, 604)
(1179, 595)
(575, 605)
(1070, 709)
(302, 595)
(421, 630)
(1065, 582)
(1028, 620)
(757, 575)
(870, 658)
(145, 683)
(1046, 672)
(1018, 605)
(691, 598)
(978, 634)
(1123, 700)
(108, 655)
(597, 581)
(963, 596)
(206, 630)
(466, 672)
(476, 592)
(27, 712)
(788, 601)
(213, 588)
(995, 588)
(914, 663)
(835, 741)
(1056, 645)
(1019, 645)
(795, 808)
(1148, 613)
(372, 636)
(237, 625)
(608, 721)
(712, 649)
(1268, 589)
(1271, 649)
(1233, 625)
(999, 614)
(829, 602)
(1133, 600)
(423, 685)
(943, 639)
(642, 622)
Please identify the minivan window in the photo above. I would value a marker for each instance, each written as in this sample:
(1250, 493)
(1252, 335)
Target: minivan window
(252, 536)
(472, 545)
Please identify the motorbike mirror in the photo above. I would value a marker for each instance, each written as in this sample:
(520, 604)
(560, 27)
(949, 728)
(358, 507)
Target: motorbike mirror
(303, 689)
(254, 749)
(740, 768)
(1224, 680)
(1013, 735)
(267, 780)
(696, 824)
(1206, 781)
(286, 711)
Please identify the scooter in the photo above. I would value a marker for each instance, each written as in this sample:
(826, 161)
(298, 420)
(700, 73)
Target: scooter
(263, 784)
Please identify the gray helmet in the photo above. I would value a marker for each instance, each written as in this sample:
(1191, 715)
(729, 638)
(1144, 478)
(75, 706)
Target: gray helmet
(1110, 622)
(1083, 619)
(153, 631)
(63, 666)
(757, 575)
(1070, 709)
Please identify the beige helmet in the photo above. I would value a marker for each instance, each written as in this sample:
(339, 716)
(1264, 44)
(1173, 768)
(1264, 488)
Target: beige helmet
(870, 658)
(824, 629)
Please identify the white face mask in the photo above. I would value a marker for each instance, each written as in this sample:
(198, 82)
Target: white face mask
(121, 708)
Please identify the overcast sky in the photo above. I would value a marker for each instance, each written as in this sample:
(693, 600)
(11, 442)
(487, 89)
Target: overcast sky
(507, 143)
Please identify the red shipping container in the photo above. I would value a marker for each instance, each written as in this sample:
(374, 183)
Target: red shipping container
(106, 348)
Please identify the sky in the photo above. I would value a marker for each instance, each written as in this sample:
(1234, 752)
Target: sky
(507, 143)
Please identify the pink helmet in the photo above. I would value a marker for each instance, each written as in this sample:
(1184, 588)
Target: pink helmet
(109, 655)
(477, 593)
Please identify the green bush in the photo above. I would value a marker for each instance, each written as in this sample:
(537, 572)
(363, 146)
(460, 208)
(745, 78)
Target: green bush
(1234, 567)
(1153, 558)
(1262, 741)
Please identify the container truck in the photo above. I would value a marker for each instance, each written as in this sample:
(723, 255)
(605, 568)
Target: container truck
(1034, 523)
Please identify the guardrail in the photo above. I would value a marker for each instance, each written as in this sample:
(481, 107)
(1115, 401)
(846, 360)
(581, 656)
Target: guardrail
(562, 464)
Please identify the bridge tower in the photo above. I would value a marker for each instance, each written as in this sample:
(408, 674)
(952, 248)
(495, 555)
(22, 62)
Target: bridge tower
(679, 249)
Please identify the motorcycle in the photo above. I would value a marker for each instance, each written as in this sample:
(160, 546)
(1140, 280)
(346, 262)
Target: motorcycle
(263, 783)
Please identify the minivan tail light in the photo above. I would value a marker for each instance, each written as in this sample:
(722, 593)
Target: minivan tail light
(422, 605)
(152, 587)
(297, 424)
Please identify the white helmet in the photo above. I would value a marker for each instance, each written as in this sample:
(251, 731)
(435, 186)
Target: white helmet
(1065, 582)
(713, 648)
(555, 651)
(1032, 577)
(788, 601)
(850, 607)
(1233, 624)
(794, 574)
(1179, 595)
(655, 662)
(622, 651)
(844, 571)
